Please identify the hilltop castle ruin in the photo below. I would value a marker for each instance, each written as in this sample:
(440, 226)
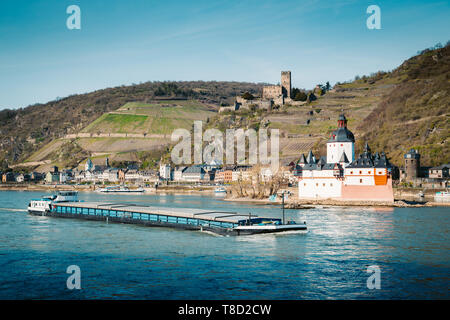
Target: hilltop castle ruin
(271, 95)
(279, 92)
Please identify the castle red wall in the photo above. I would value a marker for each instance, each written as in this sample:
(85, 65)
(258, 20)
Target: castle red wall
(369, 193)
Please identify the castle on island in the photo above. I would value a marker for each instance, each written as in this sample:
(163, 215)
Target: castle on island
(341, 176)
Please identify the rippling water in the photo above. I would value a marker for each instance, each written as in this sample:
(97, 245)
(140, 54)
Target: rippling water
(410, 245)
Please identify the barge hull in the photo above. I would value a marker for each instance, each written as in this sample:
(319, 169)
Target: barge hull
(218, 222)
(146, 223)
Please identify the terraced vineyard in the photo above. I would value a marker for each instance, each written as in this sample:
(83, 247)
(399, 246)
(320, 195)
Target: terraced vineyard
(295, 147)
(122, 134)
(161, 117)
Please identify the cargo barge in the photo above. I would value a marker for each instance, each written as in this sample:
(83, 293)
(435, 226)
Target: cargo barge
(219, 222)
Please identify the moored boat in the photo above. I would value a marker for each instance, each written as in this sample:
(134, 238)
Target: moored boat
(220, 190)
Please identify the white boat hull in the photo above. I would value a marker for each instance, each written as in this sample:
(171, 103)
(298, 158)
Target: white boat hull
(272, 228)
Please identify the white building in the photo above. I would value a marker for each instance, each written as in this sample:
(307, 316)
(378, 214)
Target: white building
(149, 176)
(133, 175)
(194, 173)
(340, 176)
(242, 173)
(111, 175)
(165, 171)
(93, 176)
(80, 176)
(320, 180)
(367, 170)
(178, 173)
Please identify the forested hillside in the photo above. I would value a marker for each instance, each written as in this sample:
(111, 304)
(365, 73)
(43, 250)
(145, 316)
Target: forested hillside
(415, 113)
(25, 130)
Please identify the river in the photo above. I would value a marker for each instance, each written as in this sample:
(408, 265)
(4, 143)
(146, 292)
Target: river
(117, 261)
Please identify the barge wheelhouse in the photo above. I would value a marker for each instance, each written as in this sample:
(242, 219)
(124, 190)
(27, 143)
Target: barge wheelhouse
(44, 205)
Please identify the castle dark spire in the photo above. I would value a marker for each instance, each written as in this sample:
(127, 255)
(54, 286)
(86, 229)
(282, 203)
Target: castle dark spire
(311, 159)
(322, 161)
(302, 160)
(344, 158)
(367, 148)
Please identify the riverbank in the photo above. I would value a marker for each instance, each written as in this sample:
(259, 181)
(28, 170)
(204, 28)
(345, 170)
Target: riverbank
(291, 203)
(179, 189)
(44, 187)
(305, 204)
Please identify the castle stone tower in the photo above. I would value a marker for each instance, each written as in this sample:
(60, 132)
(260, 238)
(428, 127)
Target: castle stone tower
(412, 164)
(286, 83)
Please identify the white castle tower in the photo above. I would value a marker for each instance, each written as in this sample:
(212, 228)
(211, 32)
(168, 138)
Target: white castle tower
(341, 144)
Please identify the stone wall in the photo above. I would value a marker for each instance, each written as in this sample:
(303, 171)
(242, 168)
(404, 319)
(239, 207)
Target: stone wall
(271, 92)
(242, 104)
(279, 100)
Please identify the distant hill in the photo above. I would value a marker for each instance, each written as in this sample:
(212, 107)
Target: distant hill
(134, 132)
(392, 111)
(24, 131)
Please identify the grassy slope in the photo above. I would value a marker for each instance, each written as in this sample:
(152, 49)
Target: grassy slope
(151, 118)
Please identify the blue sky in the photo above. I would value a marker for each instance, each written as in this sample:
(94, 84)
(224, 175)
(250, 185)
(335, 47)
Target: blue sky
(125, 42)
